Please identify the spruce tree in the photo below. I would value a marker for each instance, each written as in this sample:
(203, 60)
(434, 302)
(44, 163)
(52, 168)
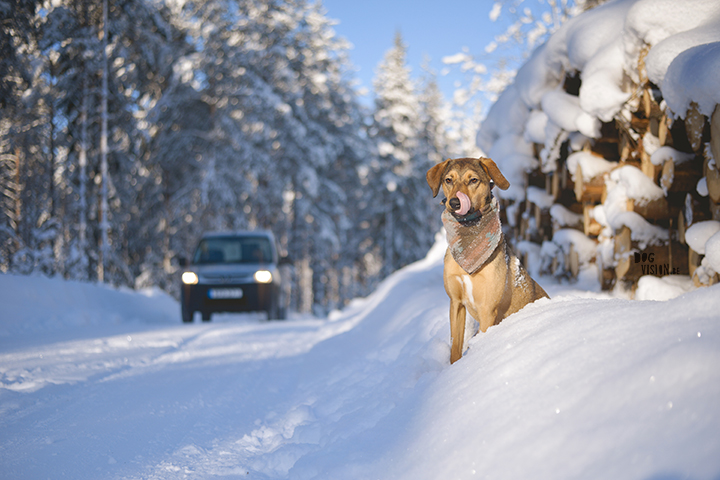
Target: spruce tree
(402, 215)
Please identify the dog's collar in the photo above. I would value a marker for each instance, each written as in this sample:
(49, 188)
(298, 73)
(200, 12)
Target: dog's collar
(474, 215)
(465, 220)
(473, 241)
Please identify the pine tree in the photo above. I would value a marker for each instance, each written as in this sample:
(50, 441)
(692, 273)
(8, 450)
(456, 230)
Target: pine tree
(221, 114)
(403, 210)
(27, 154)
(137, 38)
(282, 129)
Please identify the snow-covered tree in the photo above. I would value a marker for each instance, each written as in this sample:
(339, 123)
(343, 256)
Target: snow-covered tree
(527, 24)
(27, 153)
(60, 109)
(280, 135)
(221, 114)
(401, 213)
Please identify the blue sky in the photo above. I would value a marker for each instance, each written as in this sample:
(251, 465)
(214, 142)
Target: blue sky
(435, 28)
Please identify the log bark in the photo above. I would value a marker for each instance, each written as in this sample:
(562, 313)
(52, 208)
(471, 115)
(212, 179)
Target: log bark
(681, 227)
(667, 176)
(625, 145)
(713, 179)
(651, 109)
(714, 209)
(715, 135)
(555, 184)
(657, 209)
(647, 102)
(694, 260)
(640, 125)
(695, 209)
(694, 126)
(606, 276)
(659, 260)
(524, 228)
(681, 178)
(661, 264)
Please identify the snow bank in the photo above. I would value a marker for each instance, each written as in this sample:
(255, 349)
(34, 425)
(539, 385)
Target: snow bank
(571, 387)
(473, 438)
(663, 288)
(41, 304)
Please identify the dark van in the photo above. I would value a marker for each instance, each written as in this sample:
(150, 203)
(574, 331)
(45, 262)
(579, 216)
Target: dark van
(233, 272)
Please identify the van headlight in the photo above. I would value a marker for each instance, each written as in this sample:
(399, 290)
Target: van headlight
(263, 276)
(189, 278)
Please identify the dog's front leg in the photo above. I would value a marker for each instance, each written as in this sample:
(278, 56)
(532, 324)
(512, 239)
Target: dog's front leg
(457, 330)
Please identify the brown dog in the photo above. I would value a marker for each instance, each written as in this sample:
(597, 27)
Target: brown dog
(482, 275)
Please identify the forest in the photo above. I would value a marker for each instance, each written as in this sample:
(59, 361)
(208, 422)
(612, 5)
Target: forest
(128, 131)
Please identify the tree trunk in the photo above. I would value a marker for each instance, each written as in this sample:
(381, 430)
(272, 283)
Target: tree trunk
(82, 234)
(103, 216)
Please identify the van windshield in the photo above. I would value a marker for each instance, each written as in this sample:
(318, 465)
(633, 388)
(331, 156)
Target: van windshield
(233, 250)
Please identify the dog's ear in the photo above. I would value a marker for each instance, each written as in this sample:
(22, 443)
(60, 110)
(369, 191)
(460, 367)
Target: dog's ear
(434, 176)
(492, 169)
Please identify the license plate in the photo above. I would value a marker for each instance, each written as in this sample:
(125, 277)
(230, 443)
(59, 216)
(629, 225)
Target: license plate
(221, 293)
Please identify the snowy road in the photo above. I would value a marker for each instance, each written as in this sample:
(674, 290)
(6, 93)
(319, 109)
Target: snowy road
(100, 404)
(108, 405)
(104, 384)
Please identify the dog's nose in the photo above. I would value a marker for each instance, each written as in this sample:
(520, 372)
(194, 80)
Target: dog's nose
(455, 203)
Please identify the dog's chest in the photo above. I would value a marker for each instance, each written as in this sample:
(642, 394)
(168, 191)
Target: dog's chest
(466, 286)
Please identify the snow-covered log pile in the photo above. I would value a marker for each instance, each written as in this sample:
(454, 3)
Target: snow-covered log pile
(609, 137)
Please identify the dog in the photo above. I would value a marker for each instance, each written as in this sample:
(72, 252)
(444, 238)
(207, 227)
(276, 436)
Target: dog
(482, 276)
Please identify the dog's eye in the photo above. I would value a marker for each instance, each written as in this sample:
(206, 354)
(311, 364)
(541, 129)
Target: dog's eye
(473, 181)
(448, 180)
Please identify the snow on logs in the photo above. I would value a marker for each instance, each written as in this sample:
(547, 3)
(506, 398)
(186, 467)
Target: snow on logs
(611, 141)
(625, 200)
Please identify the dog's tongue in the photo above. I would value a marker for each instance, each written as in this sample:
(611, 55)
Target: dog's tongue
(464, 204)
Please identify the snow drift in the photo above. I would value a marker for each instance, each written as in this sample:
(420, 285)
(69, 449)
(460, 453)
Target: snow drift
(579, 386)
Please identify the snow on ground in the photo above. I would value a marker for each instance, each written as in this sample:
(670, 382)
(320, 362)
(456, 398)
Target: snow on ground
(103, 384)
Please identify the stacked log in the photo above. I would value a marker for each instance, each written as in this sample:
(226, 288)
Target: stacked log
(636, 233)
(632, 192)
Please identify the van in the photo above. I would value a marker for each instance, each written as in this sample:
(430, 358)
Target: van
(233, 272)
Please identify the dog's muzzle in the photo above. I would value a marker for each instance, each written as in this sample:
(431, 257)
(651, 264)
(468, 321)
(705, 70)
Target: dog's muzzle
(460, 204)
